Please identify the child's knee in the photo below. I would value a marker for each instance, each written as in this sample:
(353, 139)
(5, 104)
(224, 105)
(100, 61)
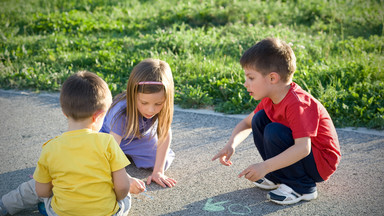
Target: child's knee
(260, 119)
(278, 135)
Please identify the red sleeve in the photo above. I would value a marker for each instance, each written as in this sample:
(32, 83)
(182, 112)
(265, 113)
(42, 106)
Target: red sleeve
(303, 120)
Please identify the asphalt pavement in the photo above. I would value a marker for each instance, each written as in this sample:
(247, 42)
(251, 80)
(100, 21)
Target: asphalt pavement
(204, 187)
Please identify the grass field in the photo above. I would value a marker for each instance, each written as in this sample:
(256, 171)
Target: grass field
(338, 45)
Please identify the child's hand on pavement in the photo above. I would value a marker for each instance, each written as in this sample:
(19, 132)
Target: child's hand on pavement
(136, 186)
(225, 154)
(161, 179)
(254, 172)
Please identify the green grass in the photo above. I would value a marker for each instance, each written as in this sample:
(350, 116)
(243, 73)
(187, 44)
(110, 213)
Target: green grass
(338, 44)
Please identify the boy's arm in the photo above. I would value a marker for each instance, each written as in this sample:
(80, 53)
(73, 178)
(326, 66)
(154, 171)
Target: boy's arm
(241, 131)
(121, 183)
(43, 189)
(298, 151)
(136, 185)
(239, 134)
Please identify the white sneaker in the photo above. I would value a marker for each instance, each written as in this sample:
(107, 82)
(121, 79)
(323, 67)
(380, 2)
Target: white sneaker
(265, 184)
(285, 195)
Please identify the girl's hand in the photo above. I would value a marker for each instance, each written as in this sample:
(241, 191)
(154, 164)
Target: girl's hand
(254, 172)
(136, 186)
(161, 179)
(225, 154)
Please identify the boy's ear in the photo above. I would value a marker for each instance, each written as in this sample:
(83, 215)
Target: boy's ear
(64, 114)
(97, 115)
(274, 77)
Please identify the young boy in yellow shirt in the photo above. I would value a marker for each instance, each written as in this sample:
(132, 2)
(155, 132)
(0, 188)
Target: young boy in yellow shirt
(82, 171)
(292, 131)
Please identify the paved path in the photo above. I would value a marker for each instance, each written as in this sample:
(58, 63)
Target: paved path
(204, 187)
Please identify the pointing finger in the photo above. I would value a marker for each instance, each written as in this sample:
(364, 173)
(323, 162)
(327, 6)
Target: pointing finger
(244, 172)
(216, 156)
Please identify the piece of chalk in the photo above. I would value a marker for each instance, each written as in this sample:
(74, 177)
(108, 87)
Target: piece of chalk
(147, 195)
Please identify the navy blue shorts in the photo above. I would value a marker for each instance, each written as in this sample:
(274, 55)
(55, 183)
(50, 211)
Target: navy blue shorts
(271, 139)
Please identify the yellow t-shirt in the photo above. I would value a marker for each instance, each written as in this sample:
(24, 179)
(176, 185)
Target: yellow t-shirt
(80, 165)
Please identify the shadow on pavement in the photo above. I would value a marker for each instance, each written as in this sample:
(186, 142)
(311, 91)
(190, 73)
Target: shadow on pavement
(250, 201)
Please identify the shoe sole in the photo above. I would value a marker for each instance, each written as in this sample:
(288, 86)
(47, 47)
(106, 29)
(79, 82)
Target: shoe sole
(266, 187)
(306, 197)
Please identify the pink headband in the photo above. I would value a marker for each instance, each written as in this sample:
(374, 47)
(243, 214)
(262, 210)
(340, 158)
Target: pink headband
(150, 83)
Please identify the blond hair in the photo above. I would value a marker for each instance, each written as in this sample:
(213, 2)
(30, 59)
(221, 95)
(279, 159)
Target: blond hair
(148, 70)
(84, 93)
(271, 55)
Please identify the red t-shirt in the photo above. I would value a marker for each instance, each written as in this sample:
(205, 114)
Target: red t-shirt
(307, 117)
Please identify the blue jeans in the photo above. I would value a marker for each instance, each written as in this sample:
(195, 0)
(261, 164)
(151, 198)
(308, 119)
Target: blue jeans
(271, 139)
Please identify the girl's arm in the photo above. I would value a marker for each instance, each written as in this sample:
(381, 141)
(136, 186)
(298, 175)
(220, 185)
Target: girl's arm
(117, 137)
(44, 189)
(161, 153)
(158, 171)
(121, 183)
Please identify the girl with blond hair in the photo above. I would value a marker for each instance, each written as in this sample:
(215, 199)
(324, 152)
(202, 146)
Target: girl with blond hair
(140, 119)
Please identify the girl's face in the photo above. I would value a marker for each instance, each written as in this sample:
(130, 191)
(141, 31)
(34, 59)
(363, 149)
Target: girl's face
(257, 85)
(150, 104)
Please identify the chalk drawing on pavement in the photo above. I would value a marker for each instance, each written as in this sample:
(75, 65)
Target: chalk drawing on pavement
(214, 207)
(235, 208)
(238, 209)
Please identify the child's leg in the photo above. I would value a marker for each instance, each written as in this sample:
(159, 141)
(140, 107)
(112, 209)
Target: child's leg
(259, 122)
(23, 197)
(48, 207)
(125, 205)
(277, 139)
(273, 138)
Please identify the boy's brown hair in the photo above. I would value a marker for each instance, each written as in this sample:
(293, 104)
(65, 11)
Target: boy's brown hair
(83, 94)
(271, 55)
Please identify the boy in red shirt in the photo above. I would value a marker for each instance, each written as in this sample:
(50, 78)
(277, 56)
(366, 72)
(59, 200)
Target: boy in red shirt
(292, 131)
